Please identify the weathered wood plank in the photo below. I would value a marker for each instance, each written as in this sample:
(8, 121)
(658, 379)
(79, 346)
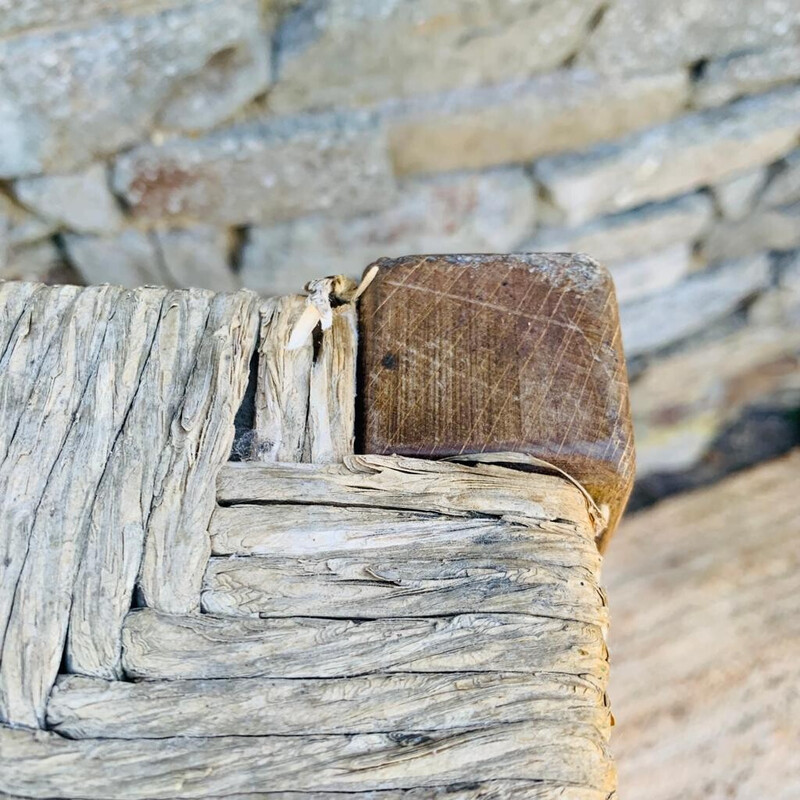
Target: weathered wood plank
(407, 585)
(282, 391)
(115, 537)
(45, 765)
(706, 643)
(410, 484)
(167, 647)
(92, 708)
(14, 297)
(45, 320)
(43, 592)
(332, 391)
(176, 542)
(479, 353)
(41, 430)
(25, 346)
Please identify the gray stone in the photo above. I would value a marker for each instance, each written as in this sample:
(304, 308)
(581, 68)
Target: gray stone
(519, 122)
(17, 15)
(81, 201)
(68, 97)
(699, 149)
(659, 34)
(487, 212)
(259, 174)
(19, 227)
(784, 186)
(736, 196)
(632, 234)
(652, 273)
(198, 258)
(356, 52)
(654, 322)
(746, 73)
(129, 259)
(763, 229)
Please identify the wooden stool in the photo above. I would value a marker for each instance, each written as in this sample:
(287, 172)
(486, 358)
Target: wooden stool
(310, 621)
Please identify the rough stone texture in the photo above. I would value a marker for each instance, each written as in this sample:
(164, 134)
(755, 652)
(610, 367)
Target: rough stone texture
(763, 229)
(81, 201)
(658, 34)
(633, 234)
(655, 322)
(564, 111)
(681, 403)
(784, 187)
(37, 261)
(488, 212)
(653, 272)
(354, 52)
(696, 150)
(69, 96)
(197, 257)
(735, 196)
(17, 15)
(258, 173)
(129, 259)
(746, 73)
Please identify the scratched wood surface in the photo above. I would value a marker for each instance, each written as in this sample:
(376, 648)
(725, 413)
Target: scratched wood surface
(476, 353)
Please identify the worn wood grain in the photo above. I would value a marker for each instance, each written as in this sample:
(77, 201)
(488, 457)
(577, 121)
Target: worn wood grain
(706, 590)
(44, 765)
(36, 415)
(282, 390)
(114, 541)
(407, 585)
(410, 484)
(477, 353)
(176, 542)
(169, 647)
(92, 708)
(43, 592)
(332, 391)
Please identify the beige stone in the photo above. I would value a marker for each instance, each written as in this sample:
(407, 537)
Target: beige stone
(356, 52)
(683, 401)
(259, 174)
(746, 73)
(517, 123)
(38, 261)
(18, 226)
(128, 259)
(197, 258)
(654, 322)
(763, 229)
(81, 201)
(697, 150)
(488, 212)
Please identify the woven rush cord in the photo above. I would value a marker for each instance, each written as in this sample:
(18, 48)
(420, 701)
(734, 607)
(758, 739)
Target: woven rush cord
(377, 627)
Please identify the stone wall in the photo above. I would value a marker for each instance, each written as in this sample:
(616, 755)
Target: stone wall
(226, 142)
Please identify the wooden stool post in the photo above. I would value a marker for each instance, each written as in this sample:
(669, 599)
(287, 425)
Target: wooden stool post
(485, 353)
